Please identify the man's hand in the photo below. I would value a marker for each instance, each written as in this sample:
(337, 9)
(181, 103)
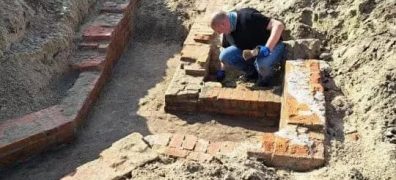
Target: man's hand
(249, 54)
(220, 75)
(259, 51)
(264, 51)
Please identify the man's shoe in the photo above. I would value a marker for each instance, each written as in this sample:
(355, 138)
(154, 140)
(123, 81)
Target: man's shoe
(249, 77)
(263, 82)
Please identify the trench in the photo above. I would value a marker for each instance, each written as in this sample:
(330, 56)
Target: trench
(133, 100)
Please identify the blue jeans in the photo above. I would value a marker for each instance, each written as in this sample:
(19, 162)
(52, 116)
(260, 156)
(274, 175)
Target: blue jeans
(264, 66)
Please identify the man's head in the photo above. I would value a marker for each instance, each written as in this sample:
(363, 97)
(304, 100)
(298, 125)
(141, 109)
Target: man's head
(220, 23)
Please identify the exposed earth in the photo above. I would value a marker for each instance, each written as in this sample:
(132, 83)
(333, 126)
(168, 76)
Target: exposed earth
(358, 42)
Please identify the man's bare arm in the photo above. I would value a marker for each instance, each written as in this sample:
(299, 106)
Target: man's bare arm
(276, 27)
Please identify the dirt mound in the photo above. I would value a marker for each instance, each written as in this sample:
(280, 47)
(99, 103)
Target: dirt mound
(168, 168)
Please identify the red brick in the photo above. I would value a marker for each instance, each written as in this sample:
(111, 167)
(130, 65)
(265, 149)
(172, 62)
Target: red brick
(200, 157)
(208, 97)
(195, 53)
(299, 150)
(201, 146)
(176, 152)
(293, 116)
(176, 141)
(281, 145)
(214, 147)
(103, 47)
(318, 150)
(236, 98)
(289, 155)
(113, 7)
(189, 142)
(194, 70)
(227, 147)
(88, 65)
(254, 97)
(88, 45)
(225, 98)
(97, 33)
(317, 136)
(268, 142)
(203, 38)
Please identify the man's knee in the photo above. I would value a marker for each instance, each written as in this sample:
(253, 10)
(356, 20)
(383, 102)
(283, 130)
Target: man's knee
(224, 55)
(230, 55)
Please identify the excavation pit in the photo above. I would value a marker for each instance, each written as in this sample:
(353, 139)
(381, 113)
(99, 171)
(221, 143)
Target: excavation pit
(295, 102)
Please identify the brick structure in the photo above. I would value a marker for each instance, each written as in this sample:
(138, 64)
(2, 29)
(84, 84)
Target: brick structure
(303, 99)
(299, 144)
(188, 90)
(104, 40)
(190, 147)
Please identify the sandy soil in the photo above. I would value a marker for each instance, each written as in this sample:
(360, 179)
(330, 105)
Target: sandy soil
(358, 38)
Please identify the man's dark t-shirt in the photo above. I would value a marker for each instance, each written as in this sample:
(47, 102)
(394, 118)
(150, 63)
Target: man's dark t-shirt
(250, 29)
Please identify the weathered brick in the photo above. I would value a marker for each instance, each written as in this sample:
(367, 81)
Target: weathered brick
(176, 141)
(281, 152)
(97, 33)
(227, 147)
(268, 142)
(224, 98)
(201, 146)
(214, 147)
(89, 64)
(103, 47)
(318, 151)
(195, 53)
(303, 102)
(113, 7)
(317, 136)
(195, 70)
(298, 150)
(176, 152)
(189, 142)
(88, 45)
(208, 97)
(200, 157)
(110, 20)
(158, 139)
(203, 38)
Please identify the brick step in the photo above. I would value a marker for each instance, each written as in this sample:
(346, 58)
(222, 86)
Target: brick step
(88, 60)
(109, 20)
(189, 146)
(97, 33)
(288, 149)
(303, 102)
(240, 102)
(117, 6)
(99, 46)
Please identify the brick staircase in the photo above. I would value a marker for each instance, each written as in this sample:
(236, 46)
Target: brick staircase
(103, 41)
